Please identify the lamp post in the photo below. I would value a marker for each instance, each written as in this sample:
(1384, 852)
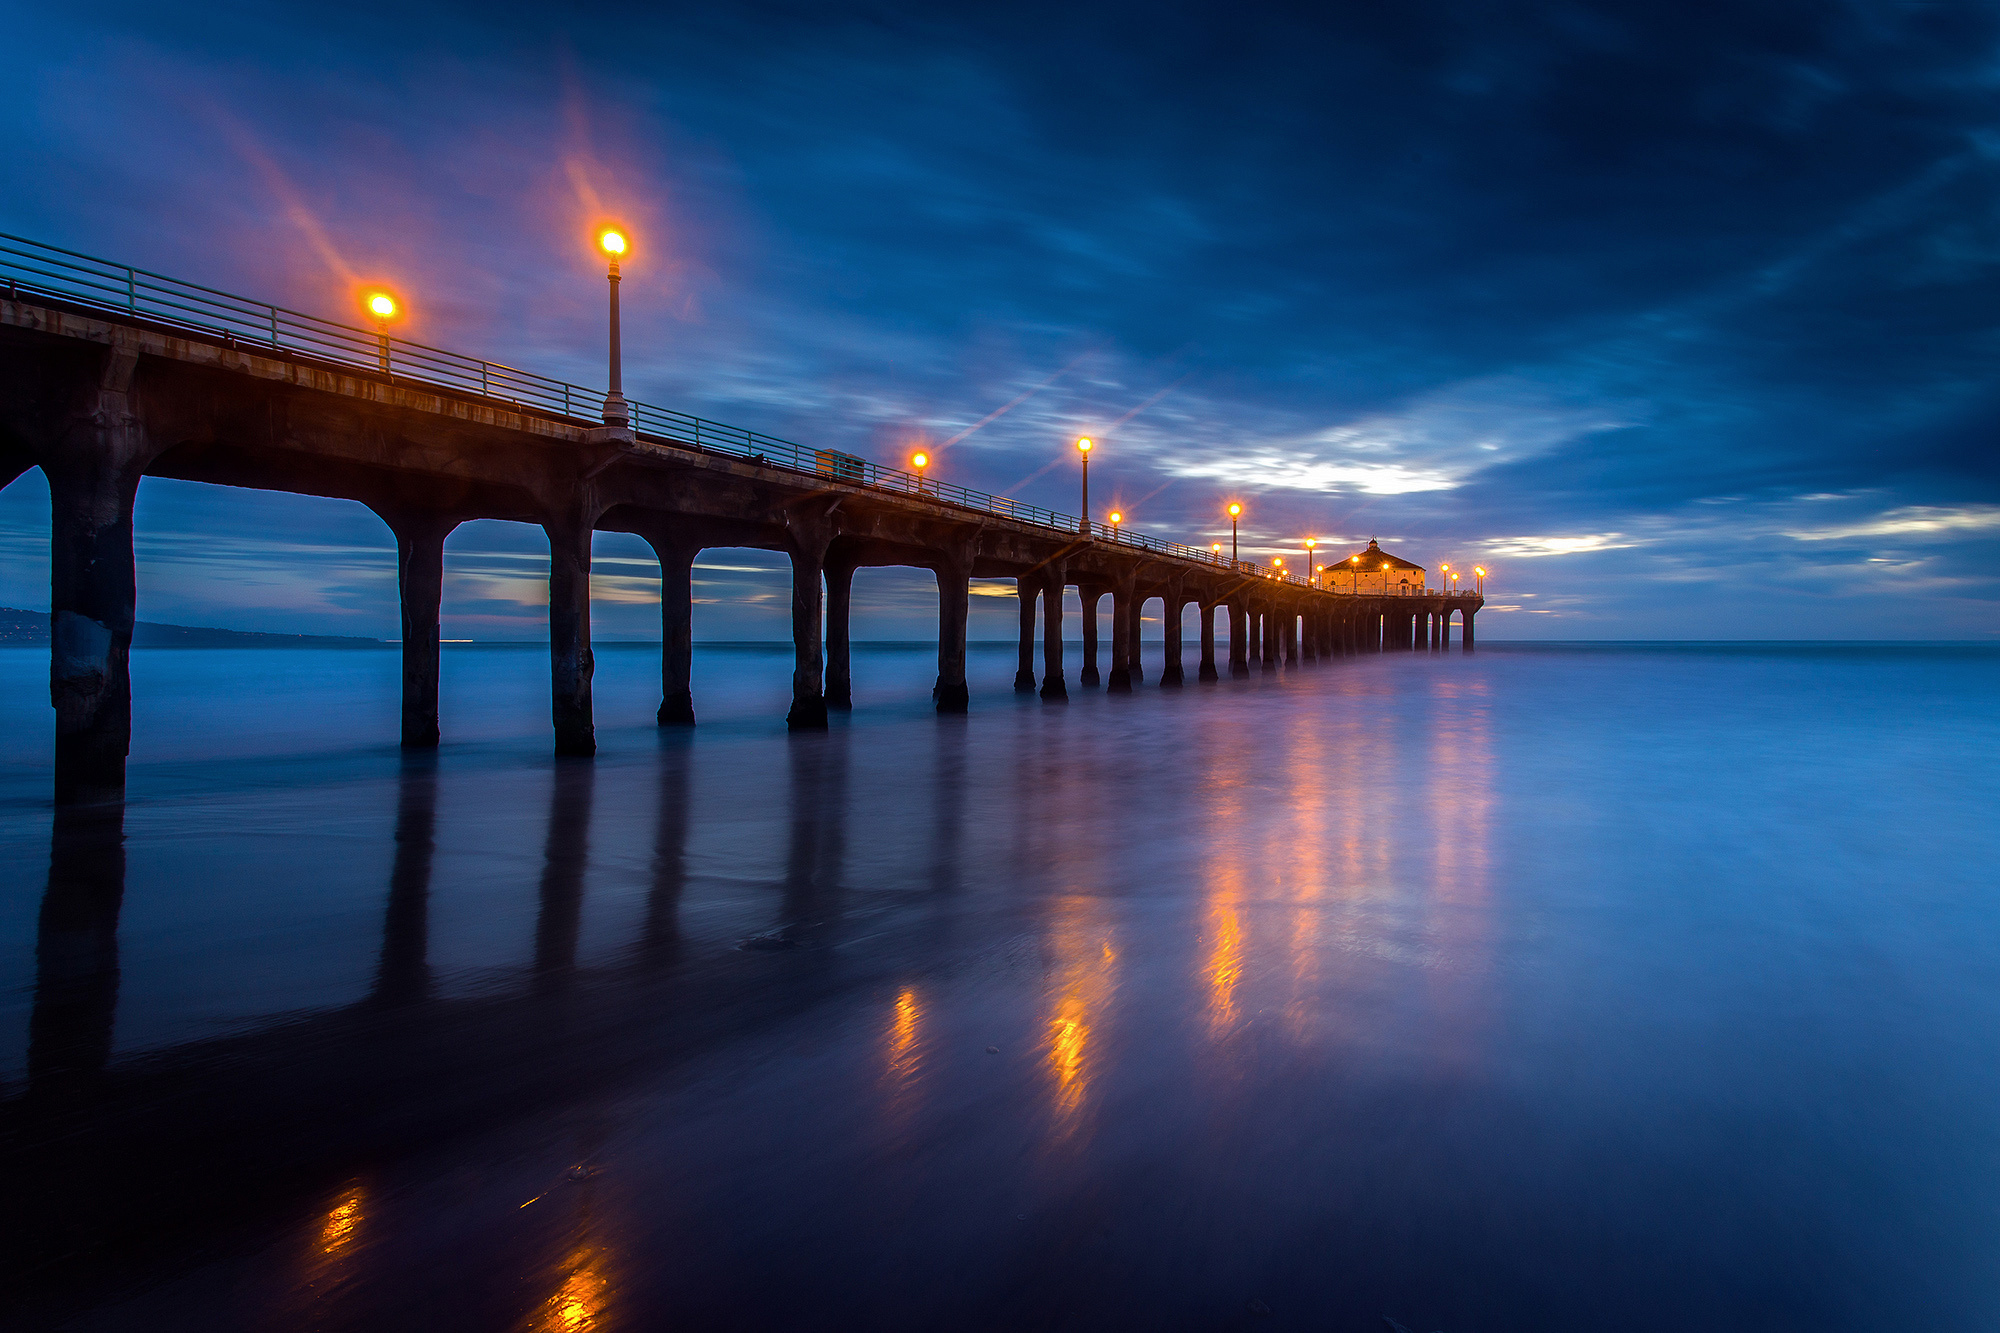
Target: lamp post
(1444, 572)
(1454, 585)
(1310, 543)
(1385, 578)
(920, 460)
(1083, 447)
(1116, 519)
(383, 307)
(1217, 548)
(1479, 579)
(1235, 512)
(617, 413)
(1278, 564)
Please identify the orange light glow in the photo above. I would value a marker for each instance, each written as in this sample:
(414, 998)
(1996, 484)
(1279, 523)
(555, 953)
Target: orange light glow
(338, 1231)
(1084, 444)
(611, 241)
(1217, 548)
(1479, 570)
(920, 460)
(1117, 517)
(1277, 560)
(382, 305)
(1234, 510)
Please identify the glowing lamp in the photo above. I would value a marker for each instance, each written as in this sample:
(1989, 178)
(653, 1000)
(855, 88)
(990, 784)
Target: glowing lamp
(611, 241)
(920, 460)
(382, 305)
(1083, 445)
(1234, 510)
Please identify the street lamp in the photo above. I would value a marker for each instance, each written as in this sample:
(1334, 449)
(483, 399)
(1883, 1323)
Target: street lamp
(383, 307)
(1454, 583)
(1083, 447)
(1444, 570)
(1479, 579)
(1310, 543)
(1235, 512)
(920, 460)
(617, 414)
(1217, 548)
(1116, 519)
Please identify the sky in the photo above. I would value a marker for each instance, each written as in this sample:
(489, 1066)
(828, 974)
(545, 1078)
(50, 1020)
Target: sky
(1683, 318)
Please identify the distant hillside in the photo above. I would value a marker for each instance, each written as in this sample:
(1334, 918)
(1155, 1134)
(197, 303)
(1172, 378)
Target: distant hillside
(18, 628)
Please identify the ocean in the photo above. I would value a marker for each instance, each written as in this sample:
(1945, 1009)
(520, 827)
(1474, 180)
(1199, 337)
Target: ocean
(1557, 986)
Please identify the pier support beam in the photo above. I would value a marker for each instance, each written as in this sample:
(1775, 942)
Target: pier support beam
(839, 655)
(1444, 632)
(571, 665)
(1053, 688)
(1207, 672)
(93, 471)
(1239, 640)
(1173, 674)
(1468, 614)
(1133, 666)
(1090, 598)
(1024, 674)
(1268, 638)
(1309, 636)
(1122, 611)
(420, 583)
(676, 629)
(808, 711)
(954, 578)
(1289, 623)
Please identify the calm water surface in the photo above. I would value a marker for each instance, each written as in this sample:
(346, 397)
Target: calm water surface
(1550, 988)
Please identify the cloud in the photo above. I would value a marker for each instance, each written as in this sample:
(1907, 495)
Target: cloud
(1532, 547)
(1909, 521)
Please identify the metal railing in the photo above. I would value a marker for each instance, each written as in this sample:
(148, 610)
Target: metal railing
(46, 270)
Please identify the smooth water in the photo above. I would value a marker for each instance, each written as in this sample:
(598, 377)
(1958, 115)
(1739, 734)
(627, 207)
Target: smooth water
(1548, 988)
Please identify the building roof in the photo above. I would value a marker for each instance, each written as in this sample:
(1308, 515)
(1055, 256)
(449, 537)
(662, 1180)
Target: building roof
(1373, 559)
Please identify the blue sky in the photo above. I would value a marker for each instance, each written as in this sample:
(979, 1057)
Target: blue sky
(1683, 318)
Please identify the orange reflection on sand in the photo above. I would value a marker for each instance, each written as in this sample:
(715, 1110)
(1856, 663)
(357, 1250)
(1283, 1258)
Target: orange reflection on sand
(337, 1233)
(903, 1035)
(578, 1304)
(1225, 966)
(1086, 973)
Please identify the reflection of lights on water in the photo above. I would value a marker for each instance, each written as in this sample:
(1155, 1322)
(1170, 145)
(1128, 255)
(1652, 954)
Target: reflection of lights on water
(903, 1035)
(1068, 1035)
(1225, 965)
(341, 1220)
(578, 1304)
(1087, 972)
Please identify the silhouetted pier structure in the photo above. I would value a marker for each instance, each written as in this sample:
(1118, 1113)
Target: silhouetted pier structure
(109, 374)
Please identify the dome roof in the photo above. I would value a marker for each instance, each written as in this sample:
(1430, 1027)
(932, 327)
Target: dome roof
(1371, 561)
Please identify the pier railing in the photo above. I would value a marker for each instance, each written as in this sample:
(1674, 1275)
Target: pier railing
(46, 270)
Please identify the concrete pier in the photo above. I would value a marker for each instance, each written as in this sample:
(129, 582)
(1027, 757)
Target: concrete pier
(99, 398)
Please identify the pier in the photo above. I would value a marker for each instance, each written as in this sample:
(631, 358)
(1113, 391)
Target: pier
(109, 374)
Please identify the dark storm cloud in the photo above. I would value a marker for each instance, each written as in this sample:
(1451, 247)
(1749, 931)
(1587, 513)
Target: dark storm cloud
(1579, 287)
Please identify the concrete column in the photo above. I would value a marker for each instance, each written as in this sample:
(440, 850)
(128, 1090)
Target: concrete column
(954, 604)
(571, 665)
(93, 596)
(420, 581)
(1468, 613)
(676, 631)
(1122, 610)
(1253, 633)
(1207, 671)
(1239, 640)
(1309, 635)
(93, 468)
(1133, 665)
(808, 712)
(1290, 622)
(1053, 688)
(839, 661)
(1173, 674)
(1268, 638)
(1089, 597)
(1024, 675)
(1444, 632)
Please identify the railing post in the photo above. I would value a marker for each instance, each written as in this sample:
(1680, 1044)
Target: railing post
(131, 291)
(274, 327)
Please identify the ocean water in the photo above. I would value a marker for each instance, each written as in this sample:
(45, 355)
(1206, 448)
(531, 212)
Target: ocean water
(1552, 987)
